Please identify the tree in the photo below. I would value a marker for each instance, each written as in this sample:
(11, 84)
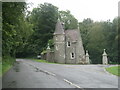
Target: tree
(43, 18)
(96, 42)
(98, 36)
(68, 19)
(112, 40)
(15, 27)
(85, 28)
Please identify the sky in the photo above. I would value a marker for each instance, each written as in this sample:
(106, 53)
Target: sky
(97, 10)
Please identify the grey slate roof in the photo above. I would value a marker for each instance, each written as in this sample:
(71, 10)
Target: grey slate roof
(73, 34)
(59, 28)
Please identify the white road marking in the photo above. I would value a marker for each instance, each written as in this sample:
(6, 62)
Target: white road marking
(55, 75)
(42, 70)
(72, 83)
(49, 73)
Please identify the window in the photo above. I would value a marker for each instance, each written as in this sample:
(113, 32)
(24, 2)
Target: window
(72, 55)
(68, 43)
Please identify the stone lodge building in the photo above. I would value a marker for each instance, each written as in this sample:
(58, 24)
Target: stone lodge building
(68, 47)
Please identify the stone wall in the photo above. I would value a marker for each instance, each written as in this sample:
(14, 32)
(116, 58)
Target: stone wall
(50, 56)
(43, 56)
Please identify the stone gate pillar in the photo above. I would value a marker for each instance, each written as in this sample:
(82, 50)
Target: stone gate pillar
(48, 52)
(87, 57)
(104, 58)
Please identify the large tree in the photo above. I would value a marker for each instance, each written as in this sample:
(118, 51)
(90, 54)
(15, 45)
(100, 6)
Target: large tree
(15, 27)
(98, 36)
(68, 19)
(85, 28)
(43, 18)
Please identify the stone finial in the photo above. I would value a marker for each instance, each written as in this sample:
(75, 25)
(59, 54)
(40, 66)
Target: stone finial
(87, 57)
(104, 53)
(48, 47)
(104, 58)
(87, 53)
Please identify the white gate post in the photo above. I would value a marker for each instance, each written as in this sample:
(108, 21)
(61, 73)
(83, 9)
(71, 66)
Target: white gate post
(87, 57)
(104, 58)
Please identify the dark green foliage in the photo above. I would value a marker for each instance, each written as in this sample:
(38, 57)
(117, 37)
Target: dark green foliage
(0, 31)
(43, 18)
(98, 36)
(7, 63)
(85, 27)
(70, 22)
(16, 29)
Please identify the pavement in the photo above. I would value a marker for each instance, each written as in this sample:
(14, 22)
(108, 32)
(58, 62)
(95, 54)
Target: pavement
(31, 74)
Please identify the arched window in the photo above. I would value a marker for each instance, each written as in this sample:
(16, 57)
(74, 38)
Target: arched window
(72, 55)
(68, 43)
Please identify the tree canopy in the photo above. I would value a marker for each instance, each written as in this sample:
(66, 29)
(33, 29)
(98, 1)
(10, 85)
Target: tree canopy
(98, 36)
(68, 19)
(16, 29)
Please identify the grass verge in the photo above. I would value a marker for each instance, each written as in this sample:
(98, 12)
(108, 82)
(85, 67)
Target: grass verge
(7, 63)
(44, 61)
(115, 70)
(0, 66)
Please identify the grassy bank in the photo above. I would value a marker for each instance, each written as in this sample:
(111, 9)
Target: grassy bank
(115, 70)
(7, 63)
(0, 66)
(0, 69)
(44, 61)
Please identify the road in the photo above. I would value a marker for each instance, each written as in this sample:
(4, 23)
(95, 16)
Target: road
(32, 74)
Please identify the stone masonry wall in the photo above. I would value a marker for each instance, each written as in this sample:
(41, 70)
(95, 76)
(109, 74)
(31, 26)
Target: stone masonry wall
(50, 56)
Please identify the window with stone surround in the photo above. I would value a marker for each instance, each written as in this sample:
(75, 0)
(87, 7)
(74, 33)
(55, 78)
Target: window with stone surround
(68, 44)
(72, 55)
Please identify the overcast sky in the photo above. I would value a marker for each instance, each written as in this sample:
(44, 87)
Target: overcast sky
(97, 10)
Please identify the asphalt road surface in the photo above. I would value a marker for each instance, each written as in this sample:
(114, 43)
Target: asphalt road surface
(32, 74)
